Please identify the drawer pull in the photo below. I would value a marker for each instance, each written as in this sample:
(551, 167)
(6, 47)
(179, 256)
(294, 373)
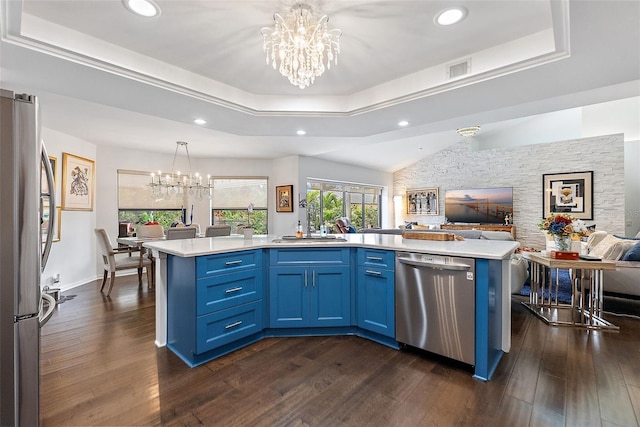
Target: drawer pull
(375, 273)
(374, 258)
(234, 262)
(232, 290)
(234, 324)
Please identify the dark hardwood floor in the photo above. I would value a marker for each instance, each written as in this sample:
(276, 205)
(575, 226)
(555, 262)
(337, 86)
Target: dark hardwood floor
(100, 367)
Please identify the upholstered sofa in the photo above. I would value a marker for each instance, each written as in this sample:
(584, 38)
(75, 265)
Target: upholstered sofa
(625, 279)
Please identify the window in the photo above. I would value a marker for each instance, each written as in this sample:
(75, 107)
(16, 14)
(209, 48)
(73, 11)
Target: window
(232, 196)
(136, 204)
(331, 200)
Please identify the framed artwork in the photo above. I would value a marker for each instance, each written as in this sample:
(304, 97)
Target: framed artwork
(46, 217)
(284, 198)
(43, 175)
(423, 201)
(78, 177)
(570, 193)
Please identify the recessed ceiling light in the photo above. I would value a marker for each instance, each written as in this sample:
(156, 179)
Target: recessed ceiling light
(451, 16)
(468, 131)
(146, 8)
(200, 121)
(301, 132)
(403, 123)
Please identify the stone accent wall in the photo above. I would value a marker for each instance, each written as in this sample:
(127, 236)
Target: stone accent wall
(522, 167)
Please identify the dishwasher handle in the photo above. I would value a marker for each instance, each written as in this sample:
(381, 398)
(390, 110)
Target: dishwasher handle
(438, 265)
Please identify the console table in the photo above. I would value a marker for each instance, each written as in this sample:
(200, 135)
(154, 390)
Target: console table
(587, 288)
(483, 227)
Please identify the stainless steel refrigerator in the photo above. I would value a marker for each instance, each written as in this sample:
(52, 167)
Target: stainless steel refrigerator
(27, 215)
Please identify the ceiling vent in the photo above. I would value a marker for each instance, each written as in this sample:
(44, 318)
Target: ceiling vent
(459, 69)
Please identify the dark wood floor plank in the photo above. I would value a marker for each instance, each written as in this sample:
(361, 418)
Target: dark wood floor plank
(522, 382)
(634, 394)
(100, 367)
(613, 395)
(549, 402)
(582, 398)
(513, 412)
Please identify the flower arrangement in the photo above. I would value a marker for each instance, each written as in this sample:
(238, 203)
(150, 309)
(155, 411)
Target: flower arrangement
(563, 225)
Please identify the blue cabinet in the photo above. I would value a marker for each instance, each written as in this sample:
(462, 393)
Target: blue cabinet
(308, 293)
(214, 304)
(376, 291)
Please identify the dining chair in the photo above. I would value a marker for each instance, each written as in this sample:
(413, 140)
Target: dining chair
(174, 233)
(113, 260)
(218, 230)
(151, 230)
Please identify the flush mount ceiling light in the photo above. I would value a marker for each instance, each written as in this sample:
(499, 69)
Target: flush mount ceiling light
(146, 8)
(179, 185)
(302, 43)
(468, 131)
(450, 16)
(200, 121)
(301, 132)
(403, 123)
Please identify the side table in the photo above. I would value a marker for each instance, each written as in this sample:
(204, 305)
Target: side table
(587, 287)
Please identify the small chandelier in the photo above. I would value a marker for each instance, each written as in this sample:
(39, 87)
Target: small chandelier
(468, 131)
(176, 184)
(302, 43)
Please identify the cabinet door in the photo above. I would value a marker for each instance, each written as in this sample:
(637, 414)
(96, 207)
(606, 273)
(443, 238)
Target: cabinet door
(288, 297)
(330, 296)
(376, 300)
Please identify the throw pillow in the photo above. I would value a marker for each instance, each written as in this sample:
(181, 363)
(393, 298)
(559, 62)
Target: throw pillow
(611, 248)
(632, 254)
(595, 238)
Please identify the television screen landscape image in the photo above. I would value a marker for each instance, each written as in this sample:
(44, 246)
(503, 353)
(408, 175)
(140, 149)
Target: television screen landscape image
(479, 205)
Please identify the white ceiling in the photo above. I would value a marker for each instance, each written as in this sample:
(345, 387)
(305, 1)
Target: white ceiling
(110, 77)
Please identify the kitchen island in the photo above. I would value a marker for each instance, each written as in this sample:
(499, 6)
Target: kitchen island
(273, 272)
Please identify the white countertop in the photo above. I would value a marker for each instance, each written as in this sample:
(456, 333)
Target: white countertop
(471, 248)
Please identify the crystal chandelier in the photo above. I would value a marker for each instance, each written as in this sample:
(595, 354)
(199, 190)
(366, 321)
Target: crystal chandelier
(176, 184)
(303, 43)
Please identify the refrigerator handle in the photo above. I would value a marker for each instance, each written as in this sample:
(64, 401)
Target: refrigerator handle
(52, 208)
(44, 317)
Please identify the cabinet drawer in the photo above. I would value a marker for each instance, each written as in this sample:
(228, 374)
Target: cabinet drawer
(376, 258)
(310, 256)
(222, 327)
(233, 261)
(228, 290)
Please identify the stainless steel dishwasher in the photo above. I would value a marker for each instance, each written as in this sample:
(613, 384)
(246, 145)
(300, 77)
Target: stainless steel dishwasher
(435, 304)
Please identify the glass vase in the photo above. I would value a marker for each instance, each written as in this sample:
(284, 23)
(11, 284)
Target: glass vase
(563, 243)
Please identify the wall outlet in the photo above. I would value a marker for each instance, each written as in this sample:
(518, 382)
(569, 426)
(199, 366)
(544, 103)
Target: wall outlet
(56, 278)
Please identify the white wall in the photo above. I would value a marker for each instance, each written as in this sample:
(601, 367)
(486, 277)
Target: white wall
(74, 256)
(285, 172)
(522, 167)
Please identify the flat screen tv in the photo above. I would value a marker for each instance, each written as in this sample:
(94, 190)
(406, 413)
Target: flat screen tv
(479, 205)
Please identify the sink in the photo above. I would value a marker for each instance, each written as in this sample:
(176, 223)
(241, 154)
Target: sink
(309, 239)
